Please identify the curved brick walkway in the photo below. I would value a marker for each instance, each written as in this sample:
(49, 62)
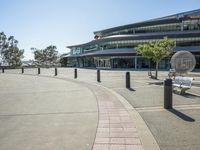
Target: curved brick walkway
(116, 130)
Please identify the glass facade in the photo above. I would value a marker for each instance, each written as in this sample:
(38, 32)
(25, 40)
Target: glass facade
(182, 26)
(197, 61)
(148, 29)
(102, 62)
(183, 29)
(190, 41)
(191, 25)
(123, 62)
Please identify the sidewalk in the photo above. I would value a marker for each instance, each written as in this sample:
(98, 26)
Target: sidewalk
(119, 126)
(55, 113)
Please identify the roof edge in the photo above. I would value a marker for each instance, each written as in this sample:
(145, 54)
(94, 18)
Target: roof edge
(175, 16)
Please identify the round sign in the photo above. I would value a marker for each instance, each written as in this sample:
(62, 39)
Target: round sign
(183, 62)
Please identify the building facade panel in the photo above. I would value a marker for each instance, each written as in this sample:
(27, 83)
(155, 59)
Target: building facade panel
(115, 47)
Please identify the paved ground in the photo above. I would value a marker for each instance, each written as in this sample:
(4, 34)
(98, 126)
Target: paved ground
(176, 129)
(116, 129)
(39, 113)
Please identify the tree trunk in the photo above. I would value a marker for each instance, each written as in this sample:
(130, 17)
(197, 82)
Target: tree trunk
(157, 64)
(150, 65)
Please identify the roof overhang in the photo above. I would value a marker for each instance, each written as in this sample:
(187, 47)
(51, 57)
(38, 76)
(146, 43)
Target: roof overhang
(163, 20)
(128, 52)
(146, 36)
(107, 52)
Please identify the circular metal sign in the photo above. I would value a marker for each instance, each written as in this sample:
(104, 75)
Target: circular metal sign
(183, 62)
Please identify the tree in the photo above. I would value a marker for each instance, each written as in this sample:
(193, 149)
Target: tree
(3, 43)
(156, 51)
(46, 57)
(62, 60)
(9, 51)
(13, 56)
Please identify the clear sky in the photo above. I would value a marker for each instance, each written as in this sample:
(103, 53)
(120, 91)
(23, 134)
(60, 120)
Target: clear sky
(40, 23)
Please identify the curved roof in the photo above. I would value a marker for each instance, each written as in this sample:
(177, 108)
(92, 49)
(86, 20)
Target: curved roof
(108, 52)
(163, 20)
(187, 48)
(128, 52)
(146, 36)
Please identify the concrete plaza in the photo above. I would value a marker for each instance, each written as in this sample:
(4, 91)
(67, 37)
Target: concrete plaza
(48, 112)
(41, 113)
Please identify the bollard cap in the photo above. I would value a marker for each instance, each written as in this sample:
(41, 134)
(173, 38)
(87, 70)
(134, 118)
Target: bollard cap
(168, 82)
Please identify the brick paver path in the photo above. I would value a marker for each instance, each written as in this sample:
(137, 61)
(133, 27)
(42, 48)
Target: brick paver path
(116, 130)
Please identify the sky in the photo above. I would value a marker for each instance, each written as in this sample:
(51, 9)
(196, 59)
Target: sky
(40, 23)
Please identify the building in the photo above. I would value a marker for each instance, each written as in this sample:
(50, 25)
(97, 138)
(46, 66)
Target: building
(115, 47)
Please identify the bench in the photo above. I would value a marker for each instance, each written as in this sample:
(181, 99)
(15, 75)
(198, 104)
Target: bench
(183, 83)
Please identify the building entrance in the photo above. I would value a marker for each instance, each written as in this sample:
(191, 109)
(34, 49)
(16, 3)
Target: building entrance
(123, 62)
(102, 62)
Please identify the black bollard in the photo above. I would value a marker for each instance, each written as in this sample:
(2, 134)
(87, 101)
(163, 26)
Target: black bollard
(168, 93)
(75, 73)
(56, 72)
(2, 70)
(98, 76)
(128, 84)
(38, 70)
(22, 70)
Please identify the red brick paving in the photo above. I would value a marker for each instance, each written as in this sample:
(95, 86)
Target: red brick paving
(116, 130)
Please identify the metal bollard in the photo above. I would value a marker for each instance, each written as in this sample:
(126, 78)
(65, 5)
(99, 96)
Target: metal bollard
(38, 70)
(75, 73)
(2, 70)
(98, 76)
(128, 84)
(168, 93)
(22, 70)
(56, 72)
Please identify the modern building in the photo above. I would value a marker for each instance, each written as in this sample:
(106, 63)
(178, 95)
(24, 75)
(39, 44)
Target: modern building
(115, 47)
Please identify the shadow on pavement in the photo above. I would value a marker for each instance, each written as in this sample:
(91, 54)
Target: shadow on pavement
(186, 95)
(181, 115)
(131, 89)
(156, 83)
